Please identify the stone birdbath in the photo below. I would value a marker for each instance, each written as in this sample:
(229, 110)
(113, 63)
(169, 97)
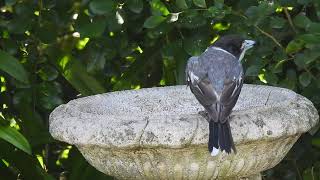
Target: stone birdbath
(157, 133)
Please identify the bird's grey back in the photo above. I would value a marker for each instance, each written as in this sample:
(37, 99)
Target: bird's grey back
(218, 65)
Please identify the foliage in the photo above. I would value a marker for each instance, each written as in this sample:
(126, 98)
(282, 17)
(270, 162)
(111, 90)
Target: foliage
(54, 51)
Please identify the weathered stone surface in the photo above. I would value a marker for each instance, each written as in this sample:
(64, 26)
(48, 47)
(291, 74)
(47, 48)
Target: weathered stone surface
(157, 133)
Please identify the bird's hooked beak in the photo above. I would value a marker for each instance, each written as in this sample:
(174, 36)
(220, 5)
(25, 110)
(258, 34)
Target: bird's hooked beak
(247, 44)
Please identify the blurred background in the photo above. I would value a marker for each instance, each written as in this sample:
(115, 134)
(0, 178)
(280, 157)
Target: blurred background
(52, 51)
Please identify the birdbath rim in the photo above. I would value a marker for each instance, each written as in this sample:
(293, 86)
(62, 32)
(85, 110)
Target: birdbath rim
(169, 117)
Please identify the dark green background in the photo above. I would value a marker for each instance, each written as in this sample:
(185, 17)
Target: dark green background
(52, 51)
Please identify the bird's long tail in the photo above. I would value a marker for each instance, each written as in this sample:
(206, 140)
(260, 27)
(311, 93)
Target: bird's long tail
(220, 137)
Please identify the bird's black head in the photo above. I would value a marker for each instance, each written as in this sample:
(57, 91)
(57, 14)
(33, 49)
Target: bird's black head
(234, 44)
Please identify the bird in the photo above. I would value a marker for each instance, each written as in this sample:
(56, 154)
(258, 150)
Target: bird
(216, 78)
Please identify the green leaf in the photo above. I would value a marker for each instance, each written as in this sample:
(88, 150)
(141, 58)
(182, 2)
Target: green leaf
(101, 7)
(200, 3)
(10, 2)
(153, 21)
(181, 4)
(271, 78)
(305, 79)
(158, 8)
(48, 95)
(219, 3)
(113, 23)
(48, 73)
(27, 165)
(77, 163)
(76, 74)
(312, 55)
(304, 2)
(49, 102)
(316, 142)
(191, 19)
(277, 22)
(47, 33)
(90, 28)
(24, 10)
(310, 38)
(290, 80)
(313, 28)
(301, 21)
(135, 6)
(300, 60)
(258, 13)
(308, 56)
(253, 70)
(97, 60)
(214, 12)
(12, 66)
(195, 45)
(161, 30)
(14, 137)
(18, 25)
(294, 46)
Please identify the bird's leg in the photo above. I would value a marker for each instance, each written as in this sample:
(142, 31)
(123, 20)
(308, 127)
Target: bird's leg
(205, 115)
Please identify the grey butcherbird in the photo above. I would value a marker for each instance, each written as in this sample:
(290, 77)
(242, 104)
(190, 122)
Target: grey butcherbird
(216, 79)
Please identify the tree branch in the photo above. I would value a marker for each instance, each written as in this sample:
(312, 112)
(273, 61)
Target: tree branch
(289, 19)
(270, 36)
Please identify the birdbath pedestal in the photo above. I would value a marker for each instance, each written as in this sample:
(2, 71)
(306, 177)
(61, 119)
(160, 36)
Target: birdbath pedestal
(157, 133)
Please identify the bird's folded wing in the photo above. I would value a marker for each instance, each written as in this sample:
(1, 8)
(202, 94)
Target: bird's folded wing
(229, 97)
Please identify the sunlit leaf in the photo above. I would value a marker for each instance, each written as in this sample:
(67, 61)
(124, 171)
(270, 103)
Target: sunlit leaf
(14, 137)
(12, 66)
(76, 74)
(294, 46)
(158, 8)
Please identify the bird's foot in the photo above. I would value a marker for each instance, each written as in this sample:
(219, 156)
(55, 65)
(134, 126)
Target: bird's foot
(205, 115)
